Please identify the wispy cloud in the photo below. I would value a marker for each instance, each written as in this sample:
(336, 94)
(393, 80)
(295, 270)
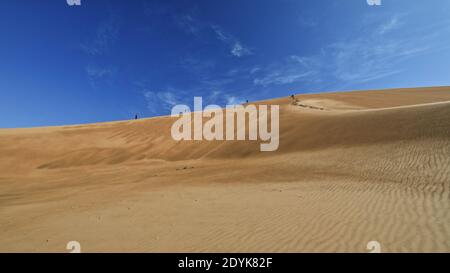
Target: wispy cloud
(291, 70)
(254, 69)
(105, 36)
(283, 77)
(160, 100)
(236, 47)
(221, 34)
(360, 61)
(374, 56)
(233, 100)
(222, 98)
(190, 23)
(99, 75)
(187, 23)
(211, 81)
(100, 72)
(367, 57)
(238, 50)
(307, 22)
(392, 24)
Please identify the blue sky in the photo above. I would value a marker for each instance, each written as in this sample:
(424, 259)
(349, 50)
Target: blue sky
(107, 60)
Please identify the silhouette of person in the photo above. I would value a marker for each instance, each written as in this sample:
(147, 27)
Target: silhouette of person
(136, 116)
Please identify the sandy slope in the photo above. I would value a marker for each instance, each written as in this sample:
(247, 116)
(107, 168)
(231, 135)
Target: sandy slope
(371, 165)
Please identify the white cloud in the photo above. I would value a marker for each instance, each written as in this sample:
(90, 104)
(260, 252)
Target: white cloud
(283, 77)
(100, 72)
(293, 69)
(221, 35)
(307, 22)
(191, 25)
(188, 24)
(392, 24)
(370, 58)
(157, 101)
(238, 50)
(105, 36)
(346, 62)
(100, 75)
(167, 98)
(214, 96)
(233, 100)
(254, 70)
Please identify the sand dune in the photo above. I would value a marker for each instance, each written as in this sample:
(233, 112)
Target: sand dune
(351, 167)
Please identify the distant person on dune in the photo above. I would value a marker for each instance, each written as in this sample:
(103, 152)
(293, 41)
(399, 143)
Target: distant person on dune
(294, 100)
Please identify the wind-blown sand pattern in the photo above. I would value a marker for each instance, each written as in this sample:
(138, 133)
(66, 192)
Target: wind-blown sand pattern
(354, 167)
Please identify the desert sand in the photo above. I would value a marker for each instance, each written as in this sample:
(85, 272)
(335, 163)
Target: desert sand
(352, 167)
